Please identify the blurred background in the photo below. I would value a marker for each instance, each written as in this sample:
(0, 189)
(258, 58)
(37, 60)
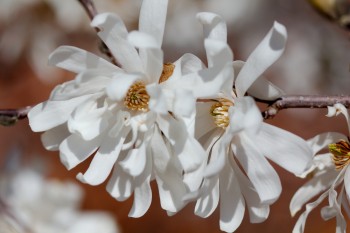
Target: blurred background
(316, 61)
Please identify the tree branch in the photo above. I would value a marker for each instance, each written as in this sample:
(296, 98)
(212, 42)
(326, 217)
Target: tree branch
(9, 117)
(302, 101)
(91, 11)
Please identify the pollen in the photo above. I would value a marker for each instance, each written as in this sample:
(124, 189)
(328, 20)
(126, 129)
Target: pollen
(340, 154)
(219, 111)
(168, 69)
(137, 97)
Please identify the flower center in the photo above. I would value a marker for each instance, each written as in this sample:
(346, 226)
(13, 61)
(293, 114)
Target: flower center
(168, 69)
(219, 111)
(137, 97)
(341, 153)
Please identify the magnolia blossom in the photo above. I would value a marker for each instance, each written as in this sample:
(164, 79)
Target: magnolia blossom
(329, 171)
(33, 204)
(235, 135)
(126, 115)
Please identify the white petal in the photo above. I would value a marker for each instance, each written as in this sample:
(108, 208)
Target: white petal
(186, 64)
(347, 182)
(152, 19)
(52, 138)
(204, 121)
(232, 204)
(267, 52)
(284, 148)
(316, 185)
(78, 60)
(74, 150)
(114, 34)
(258, 212)
(121, 184)
(262, 175)
(208, 201)
(50, 114)
(244, 116)
(218, 53)
(186, 148)
(90, 119)
(300, 224)
(135, 162)
(103, 161)
(261, 88)
(322, 140)
(168, 176)
(120, 85)
(142, 199)
(214, 26)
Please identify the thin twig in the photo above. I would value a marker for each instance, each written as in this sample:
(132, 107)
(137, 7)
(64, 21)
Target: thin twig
(302, 101)
(9, 117)
(91, 11)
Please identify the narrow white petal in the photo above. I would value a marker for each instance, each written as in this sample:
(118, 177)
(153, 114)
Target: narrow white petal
(267, 52)
(152, 60)
(218, 158)
(244, 116)
(214, 26)
(232, 205)
(261, 88)
(258, 212)
(169, 177)
(284, 148)
(78, 60)
(204, 121)
(142, 199)
(74, 150)
(114, 34)
(89, 119)
(52, 138)
(135, 162)
(316, 185)
(322, 140)
(300, 224)
(186, 148)
(262, 175)
(218, 53)
(347, 182)
(121, 184)
(209, 200)
(50, 114)
(103, 161)
(152, 19)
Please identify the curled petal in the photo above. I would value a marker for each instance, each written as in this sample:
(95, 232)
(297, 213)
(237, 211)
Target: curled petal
(152, 19)
(213, 25)
(78, 60)
(267, 52)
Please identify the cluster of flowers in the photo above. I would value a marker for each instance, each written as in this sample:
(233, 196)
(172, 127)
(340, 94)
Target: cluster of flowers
(194, 129)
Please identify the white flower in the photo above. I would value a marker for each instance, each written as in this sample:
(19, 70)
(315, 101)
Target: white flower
(330, 170)
(34, 204)
(239, 139)
(128, 117)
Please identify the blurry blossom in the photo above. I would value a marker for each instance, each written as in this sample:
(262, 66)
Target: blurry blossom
(31, 203)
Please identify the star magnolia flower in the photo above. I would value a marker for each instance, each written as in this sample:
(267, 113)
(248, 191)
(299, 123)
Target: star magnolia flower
(329, 171)
(237, 139)
(128, 116)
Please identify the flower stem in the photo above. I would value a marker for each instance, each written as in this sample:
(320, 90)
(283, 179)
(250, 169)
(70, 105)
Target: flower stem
(302, 101)
(91, 11)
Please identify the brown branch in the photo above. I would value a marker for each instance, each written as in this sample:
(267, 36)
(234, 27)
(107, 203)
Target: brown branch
(91, 11)
(302, 101)
(9, 117)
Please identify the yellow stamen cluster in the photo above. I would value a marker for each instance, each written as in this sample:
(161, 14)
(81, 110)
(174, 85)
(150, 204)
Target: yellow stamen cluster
(137, 97)
(341, 153)
(219, 111)
(168, 69)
